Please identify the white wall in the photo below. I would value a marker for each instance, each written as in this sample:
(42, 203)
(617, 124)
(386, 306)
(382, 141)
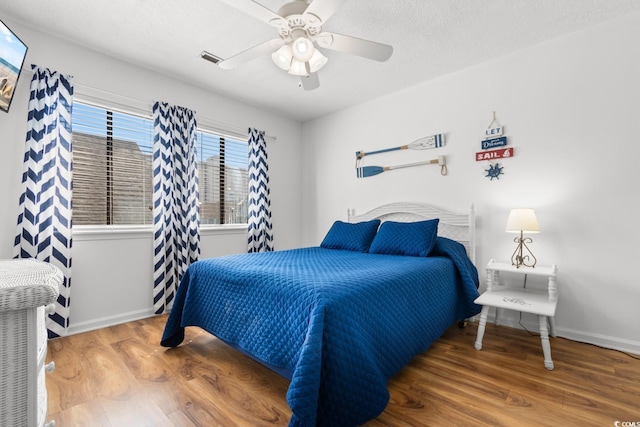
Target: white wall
(112, 274)
(571, 109)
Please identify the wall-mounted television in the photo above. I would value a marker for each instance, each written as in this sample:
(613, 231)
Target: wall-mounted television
(12, 54)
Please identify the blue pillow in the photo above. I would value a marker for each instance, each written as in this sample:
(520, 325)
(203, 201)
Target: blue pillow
(406, 238)
(352, 237)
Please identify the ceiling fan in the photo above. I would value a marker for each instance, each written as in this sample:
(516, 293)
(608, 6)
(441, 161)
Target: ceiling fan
(299, 26)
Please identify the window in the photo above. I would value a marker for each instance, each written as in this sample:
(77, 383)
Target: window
(112, 171)
(112, 181)
(224, 179)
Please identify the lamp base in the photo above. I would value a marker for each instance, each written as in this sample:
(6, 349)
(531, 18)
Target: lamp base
(519, 257)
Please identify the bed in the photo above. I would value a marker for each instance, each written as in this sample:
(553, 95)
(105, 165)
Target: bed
(338, 320)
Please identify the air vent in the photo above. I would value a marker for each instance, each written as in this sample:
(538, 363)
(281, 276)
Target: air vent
(210, 57)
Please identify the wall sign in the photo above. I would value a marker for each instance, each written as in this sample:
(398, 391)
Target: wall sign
(494, 138)
(495, 142)
(491, 132)
(503, 153)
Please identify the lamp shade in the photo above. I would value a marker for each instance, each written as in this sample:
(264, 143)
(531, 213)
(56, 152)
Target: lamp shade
(522, 220)
(317, 61)
(302, 49)
(283, 57)
(299, 68)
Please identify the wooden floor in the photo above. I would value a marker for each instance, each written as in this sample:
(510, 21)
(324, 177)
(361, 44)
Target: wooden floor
(120, 376)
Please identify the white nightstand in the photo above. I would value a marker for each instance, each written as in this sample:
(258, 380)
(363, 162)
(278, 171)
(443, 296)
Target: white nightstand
(521, 299)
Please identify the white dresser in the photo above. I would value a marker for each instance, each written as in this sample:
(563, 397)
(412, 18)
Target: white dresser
(28, 288)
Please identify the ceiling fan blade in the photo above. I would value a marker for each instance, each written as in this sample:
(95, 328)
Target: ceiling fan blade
(249, 54)
(257, 11)
(355, 46)
(310, 82)
(323, 9)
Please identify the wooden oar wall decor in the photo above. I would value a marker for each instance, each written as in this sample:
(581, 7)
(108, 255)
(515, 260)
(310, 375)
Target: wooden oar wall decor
(428, 142)
(365, 171)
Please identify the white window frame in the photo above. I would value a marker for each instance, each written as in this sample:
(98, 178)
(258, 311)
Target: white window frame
(136, 231)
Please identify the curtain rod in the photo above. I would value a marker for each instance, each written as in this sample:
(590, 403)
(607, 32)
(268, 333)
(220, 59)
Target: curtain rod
(144, 108)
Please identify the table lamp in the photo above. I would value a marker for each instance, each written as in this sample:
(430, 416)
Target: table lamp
(522, 220)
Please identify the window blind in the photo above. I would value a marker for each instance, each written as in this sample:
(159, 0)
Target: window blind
(223, 174)
(112, 175)
(112, 181)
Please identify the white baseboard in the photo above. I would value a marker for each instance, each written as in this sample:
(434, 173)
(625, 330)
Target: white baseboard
(613, 343)
(105, 322)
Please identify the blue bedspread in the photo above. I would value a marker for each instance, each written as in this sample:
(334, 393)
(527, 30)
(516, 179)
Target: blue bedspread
(338, 323)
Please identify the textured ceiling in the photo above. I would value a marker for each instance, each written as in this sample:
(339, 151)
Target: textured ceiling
(430, 38)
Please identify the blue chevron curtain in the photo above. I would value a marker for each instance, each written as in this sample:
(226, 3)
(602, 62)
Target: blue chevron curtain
(44, 219)
(259, 227)
(176, 216)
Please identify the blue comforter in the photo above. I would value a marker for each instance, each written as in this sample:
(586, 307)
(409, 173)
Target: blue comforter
(338, 323)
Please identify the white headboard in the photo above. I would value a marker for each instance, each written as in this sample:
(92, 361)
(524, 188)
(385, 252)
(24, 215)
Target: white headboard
(460, 227)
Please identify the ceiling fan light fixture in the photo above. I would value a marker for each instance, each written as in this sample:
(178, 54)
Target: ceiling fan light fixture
(299, 26)
(302, 49)
(283, 57)
(317, 61)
